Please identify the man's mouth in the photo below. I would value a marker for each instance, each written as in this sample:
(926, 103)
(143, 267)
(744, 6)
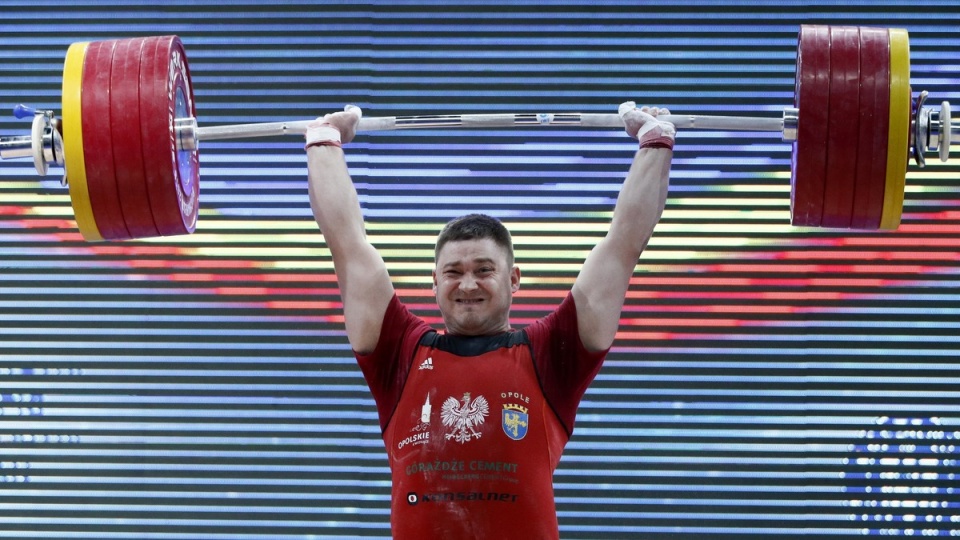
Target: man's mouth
(469, 301)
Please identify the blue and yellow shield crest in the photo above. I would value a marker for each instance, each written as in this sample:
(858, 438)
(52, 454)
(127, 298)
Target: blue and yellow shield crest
(515, 421)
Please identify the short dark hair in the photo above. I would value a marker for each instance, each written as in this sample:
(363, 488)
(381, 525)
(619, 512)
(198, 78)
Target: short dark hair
(475, 227)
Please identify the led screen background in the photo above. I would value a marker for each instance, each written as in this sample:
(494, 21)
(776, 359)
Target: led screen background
(767, 380)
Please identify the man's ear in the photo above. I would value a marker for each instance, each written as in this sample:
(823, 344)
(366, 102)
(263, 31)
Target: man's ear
(433, 273)
(515, 278)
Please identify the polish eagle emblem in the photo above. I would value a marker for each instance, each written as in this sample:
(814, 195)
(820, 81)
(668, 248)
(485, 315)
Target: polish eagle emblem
(463, 416)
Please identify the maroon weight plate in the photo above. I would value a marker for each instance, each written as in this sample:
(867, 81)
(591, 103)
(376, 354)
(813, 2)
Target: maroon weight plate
(125, 131)
(844, 130)
(809, 158)
(874, 125)
(166, 93)
(98, 143)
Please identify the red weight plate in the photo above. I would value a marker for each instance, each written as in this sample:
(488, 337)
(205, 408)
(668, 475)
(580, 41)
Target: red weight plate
(844, 127)
(98, 143)
(874, 125)
(809, 158)
(166, 93)
(125, 131)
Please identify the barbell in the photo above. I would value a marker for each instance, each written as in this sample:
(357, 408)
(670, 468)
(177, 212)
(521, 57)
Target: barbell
(128, 138)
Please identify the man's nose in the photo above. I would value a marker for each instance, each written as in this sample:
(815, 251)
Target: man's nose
(468, 283)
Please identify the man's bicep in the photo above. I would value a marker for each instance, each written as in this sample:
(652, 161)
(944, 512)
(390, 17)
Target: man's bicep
(599, 292)
(366, 290)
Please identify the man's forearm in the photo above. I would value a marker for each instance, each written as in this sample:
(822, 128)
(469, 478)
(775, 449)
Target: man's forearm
(641, 200)
(333, 198)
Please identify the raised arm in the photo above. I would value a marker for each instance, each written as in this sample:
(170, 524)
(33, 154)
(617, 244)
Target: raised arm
(365, 286)
(601, 286)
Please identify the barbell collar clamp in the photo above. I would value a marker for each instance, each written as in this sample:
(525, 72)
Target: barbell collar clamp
(185, 130)
(932, 130)
(919, 134)
(791, 123)
(46, 142)
(940, 130)
(946, 131)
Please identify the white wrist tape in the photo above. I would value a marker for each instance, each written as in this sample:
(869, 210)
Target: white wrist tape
(321, 134)
(653, 133)
(657, 135)
(650, 126)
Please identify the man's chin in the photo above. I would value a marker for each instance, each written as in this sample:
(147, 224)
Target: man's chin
(470, 325)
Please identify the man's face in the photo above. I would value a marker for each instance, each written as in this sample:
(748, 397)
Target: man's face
(474, 287)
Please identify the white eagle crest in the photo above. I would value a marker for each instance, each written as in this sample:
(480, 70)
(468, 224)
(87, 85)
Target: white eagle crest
(463, 418)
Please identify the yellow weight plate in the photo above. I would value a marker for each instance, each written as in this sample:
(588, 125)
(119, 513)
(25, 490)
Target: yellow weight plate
(73, 142)
(899, 134)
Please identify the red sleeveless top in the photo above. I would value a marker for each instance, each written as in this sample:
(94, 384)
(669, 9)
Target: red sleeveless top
(474, 426)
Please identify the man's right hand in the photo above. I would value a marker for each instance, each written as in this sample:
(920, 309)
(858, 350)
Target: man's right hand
(339, 126)
(643, 124)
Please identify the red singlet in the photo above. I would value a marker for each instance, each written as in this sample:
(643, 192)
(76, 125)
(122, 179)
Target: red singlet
(474, 426)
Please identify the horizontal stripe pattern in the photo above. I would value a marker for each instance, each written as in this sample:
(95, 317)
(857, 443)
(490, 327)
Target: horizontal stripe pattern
(766, 380)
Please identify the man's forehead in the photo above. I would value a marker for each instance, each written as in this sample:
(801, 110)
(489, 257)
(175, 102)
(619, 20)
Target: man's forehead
(473, 250)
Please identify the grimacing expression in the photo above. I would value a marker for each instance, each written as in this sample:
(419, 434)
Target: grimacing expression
(474, 285)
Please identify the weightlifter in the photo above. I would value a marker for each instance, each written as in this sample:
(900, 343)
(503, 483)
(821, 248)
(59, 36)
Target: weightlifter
(475, 418)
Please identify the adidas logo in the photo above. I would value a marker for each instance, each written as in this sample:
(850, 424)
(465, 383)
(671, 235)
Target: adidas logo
(427, 364)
